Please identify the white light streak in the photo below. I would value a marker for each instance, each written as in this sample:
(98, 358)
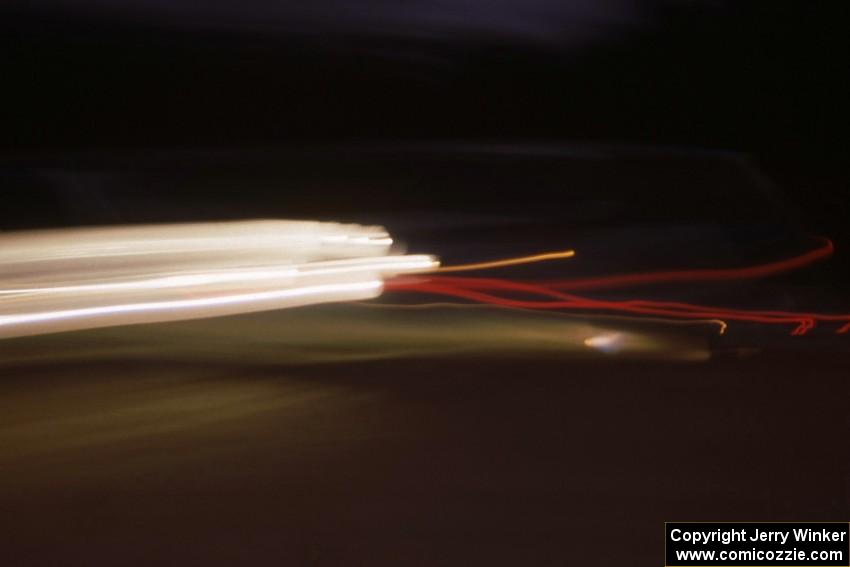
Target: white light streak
(55, 280)
(328, 292)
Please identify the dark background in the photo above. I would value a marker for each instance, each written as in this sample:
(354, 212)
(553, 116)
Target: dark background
(763, 78)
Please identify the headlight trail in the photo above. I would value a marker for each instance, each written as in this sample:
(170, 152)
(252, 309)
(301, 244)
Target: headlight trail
(65, 280)
(281, 238)
(244, 302)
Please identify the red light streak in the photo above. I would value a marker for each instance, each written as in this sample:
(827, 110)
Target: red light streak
(485, 290)
(718, 274)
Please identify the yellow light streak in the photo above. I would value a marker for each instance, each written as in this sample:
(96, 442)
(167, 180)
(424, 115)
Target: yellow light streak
(545, 257)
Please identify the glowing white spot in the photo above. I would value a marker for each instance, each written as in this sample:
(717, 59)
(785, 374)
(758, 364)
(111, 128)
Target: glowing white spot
(609, 343)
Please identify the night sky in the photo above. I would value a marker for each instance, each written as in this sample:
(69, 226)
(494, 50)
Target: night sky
(763, 78)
